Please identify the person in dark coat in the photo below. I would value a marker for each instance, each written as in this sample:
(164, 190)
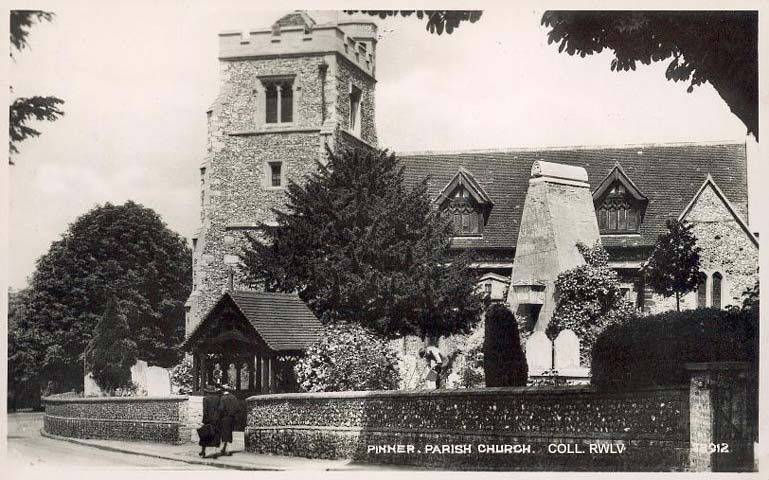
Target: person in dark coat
(228, 412)
(211, 418)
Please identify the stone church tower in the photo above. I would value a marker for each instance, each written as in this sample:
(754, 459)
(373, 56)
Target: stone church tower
(286, 93)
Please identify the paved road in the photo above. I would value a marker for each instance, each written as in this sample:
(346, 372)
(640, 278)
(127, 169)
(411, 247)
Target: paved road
(26, 447)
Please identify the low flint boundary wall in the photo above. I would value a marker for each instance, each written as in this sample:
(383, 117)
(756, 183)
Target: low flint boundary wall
(155, 419)
(550, 428)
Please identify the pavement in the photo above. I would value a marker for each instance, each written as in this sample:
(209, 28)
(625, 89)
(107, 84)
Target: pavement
(28, 433)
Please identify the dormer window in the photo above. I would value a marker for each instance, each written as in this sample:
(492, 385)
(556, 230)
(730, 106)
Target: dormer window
(617, 214)
(466, 203)
(619, 205)
(467, 217)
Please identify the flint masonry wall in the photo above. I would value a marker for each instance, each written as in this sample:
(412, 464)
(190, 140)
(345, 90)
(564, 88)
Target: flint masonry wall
(650, 425)
(154, 419)
(725, 248)
(322, 62)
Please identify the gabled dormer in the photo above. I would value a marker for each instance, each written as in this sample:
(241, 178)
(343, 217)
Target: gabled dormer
(619, 204)
(467, 202)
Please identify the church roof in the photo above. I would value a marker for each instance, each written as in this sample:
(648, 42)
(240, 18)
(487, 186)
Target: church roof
(669, 175)
(282, 320)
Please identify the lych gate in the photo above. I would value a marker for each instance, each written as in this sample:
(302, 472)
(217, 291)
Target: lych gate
(247, 340)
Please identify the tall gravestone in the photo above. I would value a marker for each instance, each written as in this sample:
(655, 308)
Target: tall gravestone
(566, 350)
(558, 213)
(539, 353)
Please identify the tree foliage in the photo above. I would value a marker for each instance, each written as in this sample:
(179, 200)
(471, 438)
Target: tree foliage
(111, 353)
(674, 265)
(122, 251)
(438, 21)
(504, 363)
(182, 378)
(24, 109)
(587, 299)
(348, 357)
(359, 246)
(718, 47)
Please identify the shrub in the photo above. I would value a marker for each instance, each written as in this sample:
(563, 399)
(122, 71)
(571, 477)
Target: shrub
(181, 376)
(347, 357)
(588, 299)
(652, 350)
(471, 371)
(504, 364)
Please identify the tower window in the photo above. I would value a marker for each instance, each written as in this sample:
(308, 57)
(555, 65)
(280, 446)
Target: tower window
(279, 101)
(276, 179)
(355, 95)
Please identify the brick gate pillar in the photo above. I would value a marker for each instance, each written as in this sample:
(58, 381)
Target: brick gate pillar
(720, 424)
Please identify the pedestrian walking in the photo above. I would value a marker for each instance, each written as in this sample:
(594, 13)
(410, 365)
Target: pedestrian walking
(228, 413)
(209, 433)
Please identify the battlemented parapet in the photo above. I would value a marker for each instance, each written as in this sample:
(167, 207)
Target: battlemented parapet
(558, 213)
(355, 41)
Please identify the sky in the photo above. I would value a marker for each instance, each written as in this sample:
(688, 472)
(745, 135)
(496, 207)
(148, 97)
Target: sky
(137, 79)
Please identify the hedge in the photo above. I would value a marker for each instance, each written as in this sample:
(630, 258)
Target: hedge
(652, 350)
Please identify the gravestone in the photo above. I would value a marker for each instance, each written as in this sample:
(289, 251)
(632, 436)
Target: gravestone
(558, 213)
(566, 351)
(539, 353)
(156, 381)
(153, 381)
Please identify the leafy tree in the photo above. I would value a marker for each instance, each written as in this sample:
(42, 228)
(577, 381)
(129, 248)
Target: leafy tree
(588, 299)
(24, 109)
(111, 353)
(348, 357)
(504, 364)
(674, 265)
(438, 21)
(359, 246)
(23, 389)
(718, 47)
(122, 251)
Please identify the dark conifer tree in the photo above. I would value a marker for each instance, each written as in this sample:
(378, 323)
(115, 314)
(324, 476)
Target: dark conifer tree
(674, 266)
(358, 245)
(504, 364)
(111, 353)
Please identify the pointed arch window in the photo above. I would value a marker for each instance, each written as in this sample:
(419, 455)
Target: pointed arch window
(702, 291)
(716, 290)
